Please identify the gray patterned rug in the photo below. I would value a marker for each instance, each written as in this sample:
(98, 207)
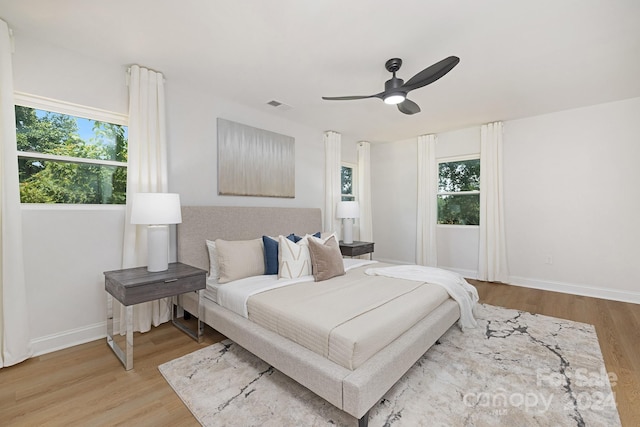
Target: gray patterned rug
(515, 369)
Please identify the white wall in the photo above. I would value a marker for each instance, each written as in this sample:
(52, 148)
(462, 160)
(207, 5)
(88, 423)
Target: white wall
(66, 251)
(393, 200)
(44, 70)
(349, 149)
(192, 149)
(68, 248)
(570, 194)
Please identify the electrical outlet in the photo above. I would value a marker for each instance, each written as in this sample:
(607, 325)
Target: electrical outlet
(548, 260)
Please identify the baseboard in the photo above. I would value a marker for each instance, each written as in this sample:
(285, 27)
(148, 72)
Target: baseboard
(66, 339)
(575, 289)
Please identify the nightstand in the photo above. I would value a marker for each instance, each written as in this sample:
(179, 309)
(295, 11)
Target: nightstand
(356, 248)
(136, 285)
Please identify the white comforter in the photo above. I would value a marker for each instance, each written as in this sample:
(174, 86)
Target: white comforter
(459, 289)
(234, 295)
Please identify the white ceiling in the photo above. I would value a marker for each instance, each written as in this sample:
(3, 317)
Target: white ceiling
(519, 58)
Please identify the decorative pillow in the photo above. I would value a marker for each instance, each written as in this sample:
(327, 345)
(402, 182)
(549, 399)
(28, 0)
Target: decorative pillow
(213, 259)
(238, 259)
(326, 259)
(271, 253)
(294, 259)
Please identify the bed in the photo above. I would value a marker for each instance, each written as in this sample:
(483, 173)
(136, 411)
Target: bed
(354, 391)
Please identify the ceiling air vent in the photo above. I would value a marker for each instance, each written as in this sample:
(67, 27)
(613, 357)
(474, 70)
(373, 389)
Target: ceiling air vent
(279, 105)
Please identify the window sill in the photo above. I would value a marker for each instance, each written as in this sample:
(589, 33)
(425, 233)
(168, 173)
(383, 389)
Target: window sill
(69, 207)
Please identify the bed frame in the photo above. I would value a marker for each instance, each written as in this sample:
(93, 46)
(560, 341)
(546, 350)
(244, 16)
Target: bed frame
(354, 392)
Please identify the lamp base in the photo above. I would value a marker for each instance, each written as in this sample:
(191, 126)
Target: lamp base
(347, 234)
(157, 248)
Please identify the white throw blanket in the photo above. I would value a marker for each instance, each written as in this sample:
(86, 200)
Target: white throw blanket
(459, 289)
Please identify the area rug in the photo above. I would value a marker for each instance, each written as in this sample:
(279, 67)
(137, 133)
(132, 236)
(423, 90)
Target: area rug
(515, 369)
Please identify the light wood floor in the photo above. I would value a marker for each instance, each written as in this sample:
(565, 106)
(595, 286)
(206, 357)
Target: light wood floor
(87, 386)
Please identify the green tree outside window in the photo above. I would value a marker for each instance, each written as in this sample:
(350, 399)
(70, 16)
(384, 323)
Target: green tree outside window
(459, 192)
(59, 164)
(347, 183)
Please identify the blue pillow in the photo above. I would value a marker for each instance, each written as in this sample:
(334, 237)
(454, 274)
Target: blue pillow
(296, 239)
(271, 253)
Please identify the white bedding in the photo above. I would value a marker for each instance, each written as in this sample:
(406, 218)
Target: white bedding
(234, 295)
(211, 291)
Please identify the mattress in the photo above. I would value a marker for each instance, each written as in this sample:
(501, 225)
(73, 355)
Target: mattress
(346, 319)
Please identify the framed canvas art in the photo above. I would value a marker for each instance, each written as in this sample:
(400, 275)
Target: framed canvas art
(254, 162)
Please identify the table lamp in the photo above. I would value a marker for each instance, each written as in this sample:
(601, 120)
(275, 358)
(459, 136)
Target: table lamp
(348, 211)
(156, 210)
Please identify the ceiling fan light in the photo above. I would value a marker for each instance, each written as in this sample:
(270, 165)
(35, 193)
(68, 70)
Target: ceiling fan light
(394, 98)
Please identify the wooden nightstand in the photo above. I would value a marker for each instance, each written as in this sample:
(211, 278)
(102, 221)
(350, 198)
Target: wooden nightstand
(356, 248)
(136, 285)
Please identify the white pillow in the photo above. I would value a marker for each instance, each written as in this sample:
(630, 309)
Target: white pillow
(238, 259)
(294, 259)
(213, 260)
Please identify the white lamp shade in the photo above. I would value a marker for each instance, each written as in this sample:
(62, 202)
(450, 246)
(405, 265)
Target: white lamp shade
(156, 208)
(348, 209)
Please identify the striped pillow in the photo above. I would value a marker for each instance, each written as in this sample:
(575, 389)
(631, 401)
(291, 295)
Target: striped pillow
(294, 259)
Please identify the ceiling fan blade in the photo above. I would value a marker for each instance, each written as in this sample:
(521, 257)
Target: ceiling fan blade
(346, 98)
(408, 107)
(431, 74)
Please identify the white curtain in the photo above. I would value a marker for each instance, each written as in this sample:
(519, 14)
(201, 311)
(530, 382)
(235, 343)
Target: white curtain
(15, 344)
(332, 180)
(492, 255)
(426, 249)
(146, 173)
(364, 191)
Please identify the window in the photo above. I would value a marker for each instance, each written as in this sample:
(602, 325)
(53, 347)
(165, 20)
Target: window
(459, 192)
(348, 182)
(76, 158)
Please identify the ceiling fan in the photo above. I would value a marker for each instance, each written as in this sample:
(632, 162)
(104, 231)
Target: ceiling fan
(396, 90)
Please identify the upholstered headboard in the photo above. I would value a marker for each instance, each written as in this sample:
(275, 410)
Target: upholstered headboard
(200, 223)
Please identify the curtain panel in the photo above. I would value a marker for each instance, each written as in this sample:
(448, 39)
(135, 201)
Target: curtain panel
(427, 215)
(146, 173)
(492, 263)
(364, 191)
(15, 340)
(332, 180)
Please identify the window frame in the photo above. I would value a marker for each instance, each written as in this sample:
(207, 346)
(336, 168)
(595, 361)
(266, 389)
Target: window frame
(451, 159)
(63, 107)
(354, 180)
